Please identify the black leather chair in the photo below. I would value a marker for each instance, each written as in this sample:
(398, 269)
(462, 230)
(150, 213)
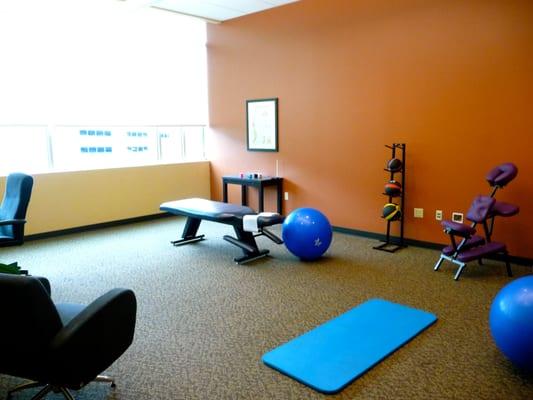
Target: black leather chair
(13, 209)
(60, 346)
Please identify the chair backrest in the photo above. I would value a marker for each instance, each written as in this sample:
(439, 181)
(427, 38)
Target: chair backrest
(97, 337)
(29, 323)
(15, 204)
(480, 209)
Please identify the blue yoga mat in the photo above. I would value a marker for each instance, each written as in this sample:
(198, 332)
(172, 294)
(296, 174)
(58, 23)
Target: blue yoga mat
(335, 353)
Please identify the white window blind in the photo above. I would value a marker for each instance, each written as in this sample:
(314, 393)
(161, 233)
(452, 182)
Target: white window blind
(100, 62)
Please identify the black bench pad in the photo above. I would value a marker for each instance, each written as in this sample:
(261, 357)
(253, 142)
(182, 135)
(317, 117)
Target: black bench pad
(216, 211)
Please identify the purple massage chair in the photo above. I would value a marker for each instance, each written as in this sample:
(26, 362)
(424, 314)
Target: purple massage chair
(465, 245)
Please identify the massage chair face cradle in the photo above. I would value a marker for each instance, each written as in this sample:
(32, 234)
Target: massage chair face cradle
(484, 209)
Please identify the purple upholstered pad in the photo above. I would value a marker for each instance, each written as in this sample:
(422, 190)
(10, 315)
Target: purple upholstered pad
(455, 228)
(502, 174)
(480, 208)
(481, 251)
(501, 209)
(472, 242)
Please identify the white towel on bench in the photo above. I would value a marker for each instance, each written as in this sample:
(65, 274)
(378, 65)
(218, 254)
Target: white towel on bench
(249, 222)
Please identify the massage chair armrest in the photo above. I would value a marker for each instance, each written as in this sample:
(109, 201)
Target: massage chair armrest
(501, 209)
(94, 338)
(12, 222)
(458, 229)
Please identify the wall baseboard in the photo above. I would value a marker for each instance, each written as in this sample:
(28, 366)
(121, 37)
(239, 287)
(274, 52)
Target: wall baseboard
(354, 232)
(92, 227)
(528, 262)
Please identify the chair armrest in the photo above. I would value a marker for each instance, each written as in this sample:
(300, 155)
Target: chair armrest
(458, 229)
(94, 338)
(12, 222)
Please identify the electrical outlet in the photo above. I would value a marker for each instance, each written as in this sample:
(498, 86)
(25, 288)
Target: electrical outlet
(457, 217)
(286, 195)
(419, 213)
(438, 215)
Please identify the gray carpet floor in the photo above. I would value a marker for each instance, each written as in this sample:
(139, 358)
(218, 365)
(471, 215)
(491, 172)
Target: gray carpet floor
(203, 322)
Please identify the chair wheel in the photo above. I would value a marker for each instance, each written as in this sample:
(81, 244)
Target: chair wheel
(113, 385)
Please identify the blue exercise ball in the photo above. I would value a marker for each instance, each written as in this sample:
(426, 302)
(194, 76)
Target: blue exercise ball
(511, 321)
(307, 233)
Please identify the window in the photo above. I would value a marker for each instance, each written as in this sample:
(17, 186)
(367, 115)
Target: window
(23, 148)
(185, 143)
(35, 149)
(80, 95)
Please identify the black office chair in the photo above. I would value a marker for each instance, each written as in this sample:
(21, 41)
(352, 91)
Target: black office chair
(60, 346)
(13, 209)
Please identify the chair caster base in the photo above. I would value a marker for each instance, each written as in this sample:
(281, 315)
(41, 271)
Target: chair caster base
(56, 389)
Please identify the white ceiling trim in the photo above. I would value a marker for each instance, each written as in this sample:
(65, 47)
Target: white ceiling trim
(217, 10)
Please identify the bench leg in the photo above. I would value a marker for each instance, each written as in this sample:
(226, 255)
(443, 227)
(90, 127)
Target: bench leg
(246, 242)
(250, 257)
(270, 235)
(189, 232)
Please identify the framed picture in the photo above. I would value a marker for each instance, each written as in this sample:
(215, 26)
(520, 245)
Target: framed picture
(262, 125)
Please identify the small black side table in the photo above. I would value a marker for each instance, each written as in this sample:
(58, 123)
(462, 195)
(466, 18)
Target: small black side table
(259, 183)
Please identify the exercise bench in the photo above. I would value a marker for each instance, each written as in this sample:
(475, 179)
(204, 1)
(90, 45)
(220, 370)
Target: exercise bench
(196, 210)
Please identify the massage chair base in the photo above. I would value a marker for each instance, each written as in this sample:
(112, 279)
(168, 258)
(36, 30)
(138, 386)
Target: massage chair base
(54, 388)
(462, 265)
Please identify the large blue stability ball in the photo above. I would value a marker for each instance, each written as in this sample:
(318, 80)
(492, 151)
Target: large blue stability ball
(307, 233)
(511, 321)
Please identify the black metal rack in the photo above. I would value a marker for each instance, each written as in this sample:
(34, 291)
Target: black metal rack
(391, 244)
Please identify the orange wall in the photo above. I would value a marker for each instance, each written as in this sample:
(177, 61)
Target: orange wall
(451, 79)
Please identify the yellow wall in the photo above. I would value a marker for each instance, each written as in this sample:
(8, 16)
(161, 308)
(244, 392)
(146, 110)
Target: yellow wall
(73, 199)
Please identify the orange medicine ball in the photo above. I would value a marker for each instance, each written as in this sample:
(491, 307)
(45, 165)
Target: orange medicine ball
(393, 188)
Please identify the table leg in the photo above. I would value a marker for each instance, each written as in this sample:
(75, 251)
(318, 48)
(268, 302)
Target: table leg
(280, 197)
(225, 192)
(261, 198)
(244, 197)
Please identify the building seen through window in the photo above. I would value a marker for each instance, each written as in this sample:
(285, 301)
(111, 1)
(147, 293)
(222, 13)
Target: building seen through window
(130, 91)
(38, 149)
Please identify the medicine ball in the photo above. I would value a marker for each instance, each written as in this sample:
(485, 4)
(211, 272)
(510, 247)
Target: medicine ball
(394, 165)
(393, 188)
(391, 212)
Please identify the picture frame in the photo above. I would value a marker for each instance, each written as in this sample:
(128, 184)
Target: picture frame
(262, 124)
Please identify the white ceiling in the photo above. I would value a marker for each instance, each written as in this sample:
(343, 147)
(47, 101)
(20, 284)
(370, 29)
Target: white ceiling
(218, 10)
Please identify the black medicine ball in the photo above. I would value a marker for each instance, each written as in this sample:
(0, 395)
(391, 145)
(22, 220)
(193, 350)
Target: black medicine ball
(394, 165)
